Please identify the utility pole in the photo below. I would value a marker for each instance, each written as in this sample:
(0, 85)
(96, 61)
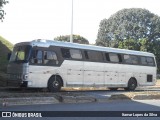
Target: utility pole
(71, 36)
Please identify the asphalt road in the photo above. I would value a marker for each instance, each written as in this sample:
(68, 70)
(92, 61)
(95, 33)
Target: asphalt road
(122, 106)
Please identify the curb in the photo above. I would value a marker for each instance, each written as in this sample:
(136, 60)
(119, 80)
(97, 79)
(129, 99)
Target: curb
(28, 101)
(146, 97)
(135, 97)
(119, 97)
(77, 99)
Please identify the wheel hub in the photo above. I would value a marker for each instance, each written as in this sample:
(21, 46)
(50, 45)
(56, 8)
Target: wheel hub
(55, 84)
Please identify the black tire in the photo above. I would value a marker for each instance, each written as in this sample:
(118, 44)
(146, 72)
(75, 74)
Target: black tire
(113, 89)
(132, 84)
(54, 84)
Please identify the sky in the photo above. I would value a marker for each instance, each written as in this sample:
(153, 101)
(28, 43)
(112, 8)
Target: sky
(26, 20)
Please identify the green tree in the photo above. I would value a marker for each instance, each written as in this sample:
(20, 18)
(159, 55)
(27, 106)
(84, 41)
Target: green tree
(76, 39)
(129, 44)
(135, 23)
(2, 12)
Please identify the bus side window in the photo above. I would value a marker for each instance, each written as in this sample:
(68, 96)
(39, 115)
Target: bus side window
(98, 56)
(37, 57)
(127, 59)
(150, 61)
(134, 59)
(94, 56)
(143, 61)
(50, 57)
(75, 54)
(114, 57)
(130, 59)
(65, 53)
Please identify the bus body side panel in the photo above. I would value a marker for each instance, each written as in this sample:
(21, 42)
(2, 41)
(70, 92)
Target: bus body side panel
(72, 72)
(118, 75)
(115, 75)
(143, 73)
(93, 74)
(39, 75)
(110, 74)
(74, 75)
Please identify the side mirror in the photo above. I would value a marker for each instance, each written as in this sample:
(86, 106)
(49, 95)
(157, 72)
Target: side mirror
(9, 56)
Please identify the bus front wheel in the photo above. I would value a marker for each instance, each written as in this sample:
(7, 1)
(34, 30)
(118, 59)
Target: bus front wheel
(132, 84)
(54, 84)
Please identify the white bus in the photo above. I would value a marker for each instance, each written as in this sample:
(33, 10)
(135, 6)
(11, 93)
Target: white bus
(53, 64)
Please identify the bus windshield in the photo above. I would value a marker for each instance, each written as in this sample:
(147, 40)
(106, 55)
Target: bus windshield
(20, 54)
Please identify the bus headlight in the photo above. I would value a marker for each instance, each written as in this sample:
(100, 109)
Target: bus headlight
(25, 77)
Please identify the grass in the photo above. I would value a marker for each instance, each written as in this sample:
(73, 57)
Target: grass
(5, 48)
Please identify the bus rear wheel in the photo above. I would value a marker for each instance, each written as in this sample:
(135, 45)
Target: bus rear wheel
(132, 84)
(54, 84)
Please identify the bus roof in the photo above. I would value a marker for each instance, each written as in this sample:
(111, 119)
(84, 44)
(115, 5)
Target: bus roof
(48, 43)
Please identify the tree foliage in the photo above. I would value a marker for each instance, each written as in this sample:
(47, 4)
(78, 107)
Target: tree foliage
(76, 39)
(129, 44)
(2, 12)
(132, 23)
(134, 29)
